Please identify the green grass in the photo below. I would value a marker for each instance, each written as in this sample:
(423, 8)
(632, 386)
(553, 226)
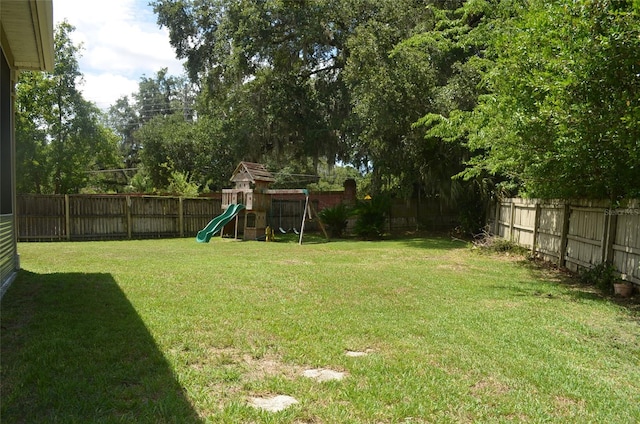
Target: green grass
(176, 331)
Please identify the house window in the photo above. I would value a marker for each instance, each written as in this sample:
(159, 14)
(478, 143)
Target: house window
(6, 154)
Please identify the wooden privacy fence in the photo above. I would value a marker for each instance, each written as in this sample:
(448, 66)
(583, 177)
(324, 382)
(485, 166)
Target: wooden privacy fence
(108, 217)
(121, 217)
(574, 234)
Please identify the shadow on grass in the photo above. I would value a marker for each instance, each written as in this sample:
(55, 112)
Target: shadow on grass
(420, 241)
(436, 242)
(307, 238)
(75, 350)
(576, 290)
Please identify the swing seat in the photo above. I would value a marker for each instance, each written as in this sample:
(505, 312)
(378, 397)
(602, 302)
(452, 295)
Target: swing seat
(295, 230)
(282, 230)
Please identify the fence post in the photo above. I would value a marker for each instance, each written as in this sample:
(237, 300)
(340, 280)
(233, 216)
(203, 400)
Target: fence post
(512, 219)
(609, 235)
(67, 217)
(536, 225)
(181, 215)
(565, 232)
(129, 220)
(496, 222)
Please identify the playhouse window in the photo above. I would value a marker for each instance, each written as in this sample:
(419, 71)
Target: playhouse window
(251, 220)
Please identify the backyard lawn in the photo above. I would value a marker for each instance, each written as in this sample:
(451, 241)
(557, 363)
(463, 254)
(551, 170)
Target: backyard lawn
(424, 330)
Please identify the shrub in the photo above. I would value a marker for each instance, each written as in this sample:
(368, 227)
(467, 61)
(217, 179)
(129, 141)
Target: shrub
(602, 276)
(181, 185)
(371, 215)
(141, 182)
(495, 244)
(335, 218)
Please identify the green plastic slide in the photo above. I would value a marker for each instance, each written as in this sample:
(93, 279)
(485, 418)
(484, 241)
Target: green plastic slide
(217, 223)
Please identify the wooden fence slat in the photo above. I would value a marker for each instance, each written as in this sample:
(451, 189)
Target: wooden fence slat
(101, 217)
(626, 249)
(585, 240)
(566, 216)
(575, 234)
(536, 226)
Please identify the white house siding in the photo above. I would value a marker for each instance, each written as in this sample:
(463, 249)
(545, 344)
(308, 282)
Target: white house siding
(8, 259)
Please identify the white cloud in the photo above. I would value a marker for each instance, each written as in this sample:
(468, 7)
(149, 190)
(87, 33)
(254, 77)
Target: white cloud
(121, 43)
(105, 88)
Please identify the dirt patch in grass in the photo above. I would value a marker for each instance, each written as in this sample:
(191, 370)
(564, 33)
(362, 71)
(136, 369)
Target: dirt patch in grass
(268, 366)
(489, 387)
(250, 367)
(565, 404)
(358, 353)
(294, 262)
(225, 373)
(453, 267)
(273, 404)
(322, 374)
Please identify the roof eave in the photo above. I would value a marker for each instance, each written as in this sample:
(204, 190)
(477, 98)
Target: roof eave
(26, 34)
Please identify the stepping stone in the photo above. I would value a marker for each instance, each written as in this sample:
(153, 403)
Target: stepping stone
(357, 354)
(274, 404)
(323, 374)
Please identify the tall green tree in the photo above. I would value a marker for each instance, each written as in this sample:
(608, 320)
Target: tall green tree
(430, 63)
(34, 167)
(143, 124)
(164, 95)
(561, 116)
(390, 88)
(124, 119)
(60, 136)
(539, 97)
(270, 70)
(195, 150)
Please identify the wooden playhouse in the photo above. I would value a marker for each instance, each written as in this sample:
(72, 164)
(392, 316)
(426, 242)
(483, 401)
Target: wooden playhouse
(251, 185)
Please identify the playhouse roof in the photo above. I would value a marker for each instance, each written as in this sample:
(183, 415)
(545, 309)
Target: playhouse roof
(248, 171)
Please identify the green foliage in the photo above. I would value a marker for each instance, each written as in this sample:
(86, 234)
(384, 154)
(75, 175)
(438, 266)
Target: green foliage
(501, 97)
(333, 178)
(403, 79)
(471, 206)
(34, 168)
(602, 276)
(145, 127)
(390, 87)
(197, 149)
(270, 71)
(141, 182)
(60, 138)
(371, 217)
(488, 243)
(180, 184)
(562, 115)
(336, 218)
(164, 95)
(123, 118)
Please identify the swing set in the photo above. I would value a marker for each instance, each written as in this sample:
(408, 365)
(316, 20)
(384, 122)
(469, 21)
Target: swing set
(307, 212)
(251, 196)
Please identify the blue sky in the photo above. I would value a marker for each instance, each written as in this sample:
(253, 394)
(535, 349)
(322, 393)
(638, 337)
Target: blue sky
(121, 43)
